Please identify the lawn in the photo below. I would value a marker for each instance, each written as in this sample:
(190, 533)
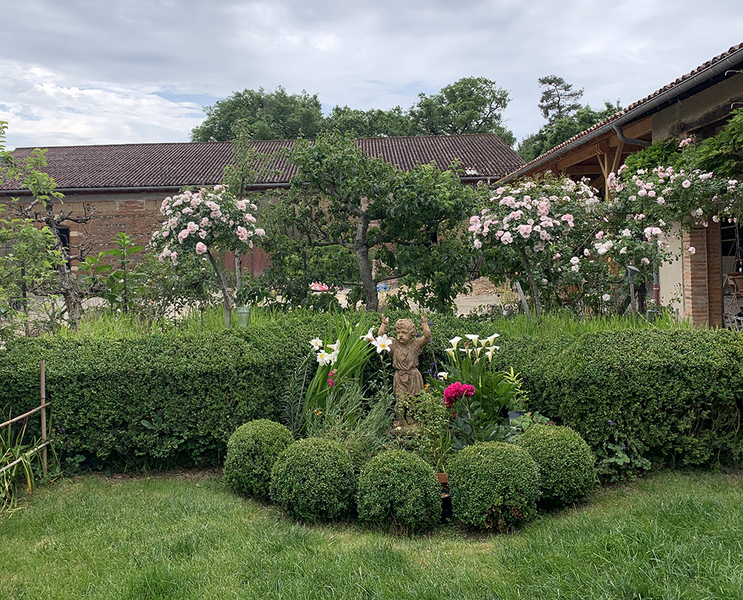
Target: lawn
(675, 535)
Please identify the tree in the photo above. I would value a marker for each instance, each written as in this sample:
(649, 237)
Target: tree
(334, 194)
(267, 115)
(371, 123)
(558, 99)
(470, 105)
(562, 129)
(45, 208)
(344, 203)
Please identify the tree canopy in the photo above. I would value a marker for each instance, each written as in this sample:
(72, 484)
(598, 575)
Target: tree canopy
(470, 105)
(558, 99)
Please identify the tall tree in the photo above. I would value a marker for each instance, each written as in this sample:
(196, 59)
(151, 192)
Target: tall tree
(370, 123)
(267, 115)
(561, 130)
(470, 105)
(558, 99)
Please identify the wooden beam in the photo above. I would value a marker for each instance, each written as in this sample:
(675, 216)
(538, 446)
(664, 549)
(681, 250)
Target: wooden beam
(583, 154)
(617, 157)
(583, 170)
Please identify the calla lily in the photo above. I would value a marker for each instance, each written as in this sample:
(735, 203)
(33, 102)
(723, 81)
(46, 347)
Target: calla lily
(455, 341)
(443, 375)
(490, 339)
(450, 352)
(472, 336)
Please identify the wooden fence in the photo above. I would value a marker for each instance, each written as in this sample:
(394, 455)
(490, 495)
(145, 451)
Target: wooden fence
(44, 441)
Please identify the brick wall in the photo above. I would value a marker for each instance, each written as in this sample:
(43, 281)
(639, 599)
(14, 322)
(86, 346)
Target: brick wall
(703, 276)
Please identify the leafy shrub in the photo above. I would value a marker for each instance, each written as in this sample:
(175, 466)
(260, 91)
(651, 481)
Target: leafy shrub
(251, 452)
(398, 488)
(313, 480)
(565, 463)
(494, 486)
(431, 437)
(640, 398)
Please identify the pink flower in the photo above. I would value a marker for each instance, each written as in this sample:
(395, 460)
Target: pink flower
(183, 235)
(242, 233)
(455, 391)
(506, 238)
(316, 286)
(524, 230)
(686, 183)
(201, 248)
(692, 250)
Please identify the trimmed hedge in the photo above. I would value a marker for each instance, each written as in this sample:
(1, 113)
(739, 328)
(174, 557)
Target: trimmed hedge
(399, 489)
(662, 397)
(157, 401)
(493, 486)
(251, 453)
(565, 463)
(313, 480)
(640, 398)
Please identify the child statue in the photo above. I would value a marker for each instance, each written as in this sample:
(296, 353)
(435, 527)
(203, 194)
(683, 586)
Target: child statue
(405, 351)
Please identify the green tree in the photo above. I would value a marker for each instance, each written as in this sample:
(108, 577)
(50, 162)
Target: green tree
(45, 208)
(470, 105)
(558, 99)
(267, 115)
(370, 123)
(562, 129)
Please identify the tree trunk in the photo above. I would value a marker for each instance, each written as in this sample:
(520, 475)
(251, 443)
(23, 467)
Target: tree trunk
(238, 273)
(361, 250)
(226, 300)
(533, 286)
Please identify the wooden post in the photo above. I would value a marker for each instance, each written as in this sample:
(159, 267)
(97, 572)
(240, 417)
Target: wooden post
(43, 417)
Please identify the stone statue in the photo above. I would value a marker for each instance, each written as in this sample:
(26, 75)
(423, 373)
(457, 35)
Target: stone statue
(405, 350)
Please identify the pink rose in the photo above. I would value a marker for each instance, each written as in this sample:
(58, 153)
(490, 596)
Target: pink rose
(201, 248)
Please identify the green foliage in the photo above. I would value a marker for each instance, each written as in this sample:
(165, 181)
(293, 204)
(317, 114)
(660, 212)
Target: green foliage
(639, 398)
(431, 438)
(267, 115)
(562, 129)
(313, 480)
(470, 105)
(565, 463)
(494, 486)
(154, 401)
(251, 453)
(558, 98)
(398, 489)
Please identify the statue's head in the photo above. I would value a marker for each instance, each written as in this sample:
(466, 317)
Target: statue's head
(405, 330)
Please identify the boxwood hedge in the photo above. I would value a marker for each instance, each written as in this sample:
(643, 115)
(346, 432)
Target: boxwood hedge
(638, 397)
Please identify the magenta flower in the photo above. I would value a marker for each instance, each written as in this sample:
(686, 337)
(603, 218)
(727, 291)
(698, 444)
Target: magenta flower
(455, 391)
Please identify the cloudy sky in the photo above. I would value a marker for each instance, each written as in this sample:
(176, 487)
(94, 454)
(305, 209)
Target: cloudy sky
(91, 72)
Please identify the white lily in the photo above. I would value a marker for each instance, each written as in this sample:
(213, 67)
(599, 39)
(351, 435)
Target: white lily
(333, 358)
(455, 341)
(335, 347)
(383, 343)
(369, 337)
(443, 375)
(316, 344)
(323, 357)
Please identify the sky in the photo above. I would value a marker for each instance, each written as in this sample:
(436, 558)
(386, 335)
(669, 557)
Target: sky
(78, 72)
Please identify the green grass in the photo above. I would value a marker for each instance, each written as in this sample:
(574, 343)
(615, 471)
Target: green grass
(673, 536)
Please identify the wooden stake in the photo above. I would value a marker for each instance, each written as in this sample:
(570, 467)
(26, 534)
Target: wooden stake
(43, 417)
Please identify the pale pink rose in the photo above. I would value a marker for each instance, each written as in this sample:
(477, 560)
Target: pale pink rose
(204, 222)
(174, 259)
(201, 248)
(692, 250)
(686, 183)
(183, 235)
(645, 261)
(192, 227)
(166, 233)
(524, 230)
(260, 232)
(242, 233)
(477, 243)
(507, 238)
(202, 234)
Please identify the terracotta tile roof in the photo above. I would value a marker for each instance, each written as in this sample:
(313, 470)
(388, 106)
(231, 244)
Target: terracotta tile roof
(80, 168)
(634, 107)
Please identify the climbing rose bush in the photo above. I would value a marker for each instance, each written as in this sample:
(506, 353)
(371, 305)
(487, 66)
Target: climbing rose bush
(198, 221)
(564, 241)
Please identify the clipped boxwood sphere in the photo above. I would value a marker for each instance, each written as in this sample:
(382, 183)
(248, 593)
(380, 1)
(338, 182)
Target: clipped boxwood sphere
(565, 463)
(313, 480)
(251, 452)
(399, 489)
(493, 486)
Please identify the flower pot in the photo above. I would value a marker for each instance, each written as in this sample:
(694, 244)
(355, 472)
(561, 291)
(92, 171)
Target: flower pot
(443, 478)
(243, 316)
